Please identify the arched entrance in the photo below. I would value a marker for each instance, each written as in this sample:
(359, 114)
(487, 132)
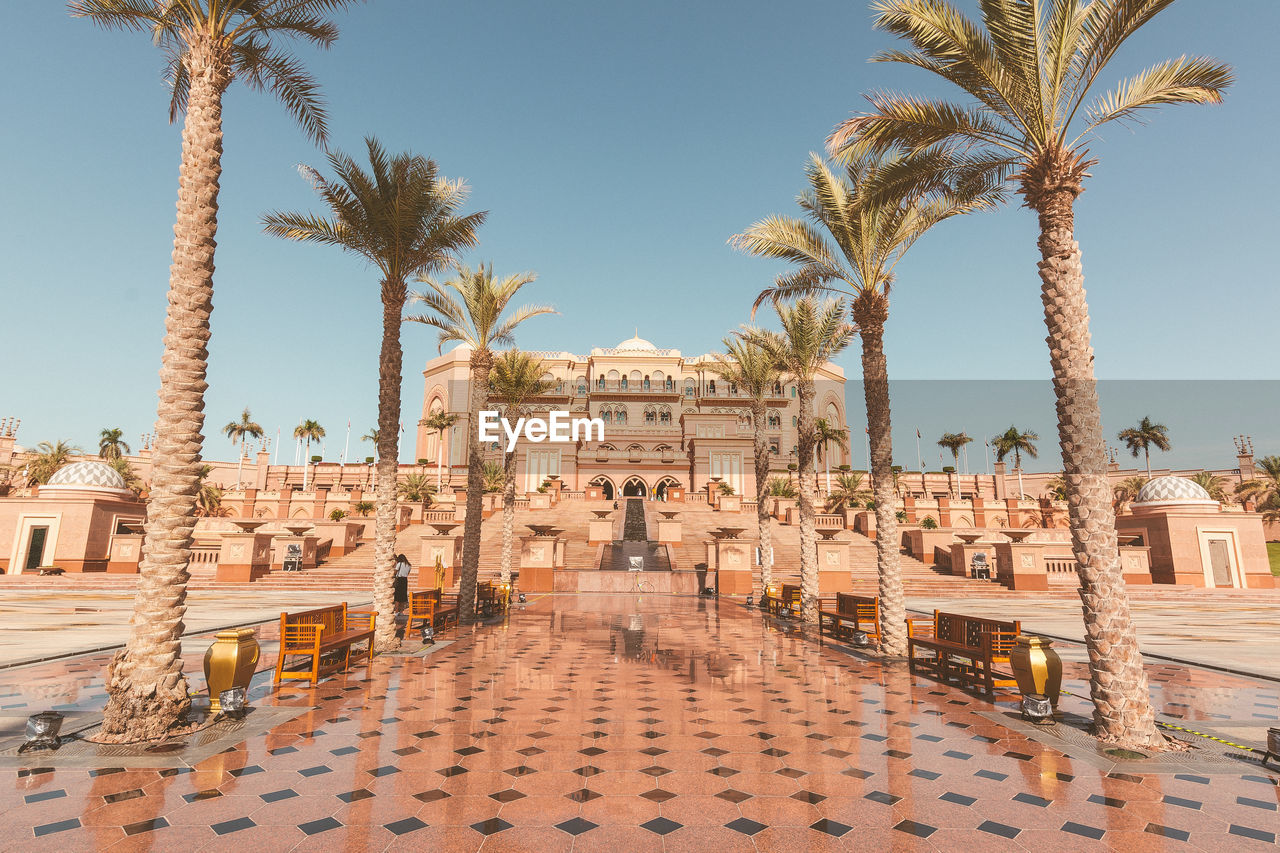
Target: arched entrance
(635, 488)
(606, 486)
(660, 490)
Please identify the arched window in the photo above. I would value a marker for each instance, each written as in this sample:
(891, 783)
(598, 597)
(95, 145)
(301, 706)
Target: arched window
(793, 420)
(711, 386)
(793, 390)
(622, 414)
(777, 388)
(646, 383)
(650, 417)
(775, 422)
(664, 416)
(600, 383)
(606, 415)
(623, 384)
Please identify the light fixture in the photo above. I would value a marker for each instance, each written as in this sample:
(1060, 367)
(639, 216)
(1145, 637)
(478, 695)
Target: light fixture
(522, 598)
(860, 639)
(751, 599)
(234, 702)
(428, 633)
(42, 731)
(1273, 747)
(1036, 708)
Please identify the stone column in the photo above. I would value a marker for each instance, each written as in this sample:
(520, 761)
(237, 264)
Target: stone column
(833, 567)
(245, 557)
(446, 546)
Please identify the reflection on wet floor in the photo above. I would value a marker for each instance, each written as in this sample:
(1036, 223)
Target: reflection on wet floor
(640, 723)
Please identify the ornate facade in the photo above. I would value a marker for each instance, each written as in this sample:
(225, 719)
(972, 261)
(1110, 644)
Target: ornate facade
(670, 422)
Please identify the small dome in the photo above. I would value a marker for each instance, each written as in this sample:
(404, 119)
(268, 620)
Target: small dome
(95, 475)
(1172, 490)
(636, 344)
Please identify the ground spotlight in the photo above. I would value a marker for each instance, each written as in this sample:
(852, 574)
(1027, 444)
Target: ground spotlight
(234, 702)
(1273, 746)
(522, 598)
(428, 634)
(1037, 709)
(42, 731)
(751, 599)
(860, 639)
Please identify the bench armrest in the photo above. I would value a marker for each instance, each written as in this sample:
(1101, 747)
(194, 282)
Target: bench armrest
(361, 620)
(305, 637)
(920, 626)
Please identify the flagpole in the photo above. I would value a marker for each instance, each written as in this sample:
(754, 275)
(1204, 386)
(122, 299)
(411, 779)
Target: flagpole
(346, 445)
(987, 453)
(276, 461)
(919, 460)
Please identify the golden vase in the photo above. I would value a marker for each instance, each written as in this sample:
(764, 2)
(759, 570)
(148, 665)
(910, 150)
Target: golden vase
(1037, 668)
(230, 662)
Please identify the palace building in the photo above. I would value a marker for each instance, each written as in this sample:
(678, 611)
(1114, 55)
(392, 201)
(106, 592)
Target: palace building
(669, 422)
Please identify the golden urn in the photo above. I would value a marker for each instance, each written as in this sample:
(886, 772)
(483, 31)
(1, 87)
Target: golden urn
(1037, 668)
(230, 662)
(439, 574)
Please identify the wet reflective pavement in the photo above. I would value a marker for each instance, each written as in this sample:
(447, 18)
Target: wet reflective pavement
(639, 723)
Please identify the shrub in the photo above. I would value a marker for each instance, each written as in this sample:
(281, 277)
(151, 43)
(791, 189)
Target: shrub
(337, 515)
(927, 523)
(901, 515)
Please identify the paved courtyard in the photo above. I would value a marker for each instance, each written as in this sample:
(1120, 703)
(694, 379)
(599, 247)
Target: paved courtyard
(636, 724)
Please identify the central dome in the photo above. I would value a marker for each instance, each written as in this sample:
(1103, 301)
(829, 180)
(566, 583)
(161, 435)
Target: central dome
(636, 344)
(90, 474)
(1172, 490)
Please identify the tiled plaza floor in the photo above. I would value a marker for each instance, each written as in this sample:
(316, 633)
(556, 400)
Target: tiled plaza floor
(634, 724)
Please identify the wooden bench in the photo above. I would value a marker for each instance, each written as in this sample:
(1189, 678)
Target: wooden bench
(429, 606)
(492, 597)
(323, 636)
(780, 601)
(967, 648)
(851, 614)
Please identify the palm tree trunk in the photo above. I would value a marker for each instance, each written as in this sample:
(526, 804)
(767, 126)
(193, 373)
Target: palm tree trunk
(481, 362)
(759, 414)
(508, 515)
(807, 495)
(1122, 705)
(390, 367)
(870, 313)
(145, 685)
(1147, 453)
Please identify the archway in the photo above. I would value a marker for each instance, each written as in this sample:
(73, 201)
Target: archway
(635, 488)
(660, 490)
(606, 486)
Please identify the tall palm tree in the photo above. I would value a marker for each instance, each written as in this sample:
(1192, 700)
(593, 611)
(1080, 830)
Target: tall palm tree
(871, 231)
(1262, 490)
(48, 458)
(111, 444)
(955, 442)
(1145, 436)
(238, 431)
(439, 422)
(745, 365)
(471, 308)
(402, 217)
(371, 436)
(1030, 69)
(1126, 492)
(307, 431)
(826, 434)
(812, 334)
(515, 380)
(1016, 442)
(209, 44)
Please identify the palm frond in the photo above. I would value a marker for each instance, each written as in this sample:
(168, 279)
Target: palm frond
(1186, 80)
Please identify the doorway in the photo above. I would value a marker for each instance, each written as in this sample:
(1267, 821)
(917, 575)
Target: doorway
(35, 548)
(1220, 562)
(635, 488)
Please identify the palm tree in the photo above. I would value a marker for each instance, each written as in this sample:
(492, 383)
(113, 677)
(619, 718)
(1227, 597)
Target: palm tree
(1016, 442)
(402, 217)
(111, 444)
(872, 231)
(1215, 485)
(48, 458)
(416, 488)
(1263, 490)
(746, 366)
(825, 435)
(955, 442)
(371, 436)
(209, 496)
(439, 422)
(1126, 492)
(1030, 68)
(1057, 488)
(209, 45)
(238, 431)
(471, 308)
(1145, 436)
(515, 380)
(812, 334)
(131, 479)
(493, 477)
(307, 431)
(848, 492)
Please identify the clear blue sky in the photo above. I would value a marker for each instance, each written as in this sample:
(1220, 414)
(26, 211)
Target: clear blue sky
(616, 146)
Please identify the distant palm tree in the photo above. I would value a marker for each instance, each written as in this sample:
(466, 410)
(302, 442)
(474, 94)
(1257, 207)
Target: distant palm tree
(48, 458)
(1017, 443)
(1029, 71)
(955, 442)
(493, 477)
(209, 496)
(416, 488)
(363, 508)
(1263, 490)
(1126, 492)
(747, 366)
(1145, 436)
(372, 436)
(515, 380)
(131, 479)
(439, 422)
(1215, 485)
(826, 434)
(849, 492)
(238, 431)
(111, 444)
(402, 217)
(471, 308)
(1057, 488)
(855, 232)
(209, 45)
(812, 334)
(308, 431)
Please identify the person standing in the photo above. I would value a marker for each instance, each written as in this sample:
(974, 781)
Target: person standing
(401, 585)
